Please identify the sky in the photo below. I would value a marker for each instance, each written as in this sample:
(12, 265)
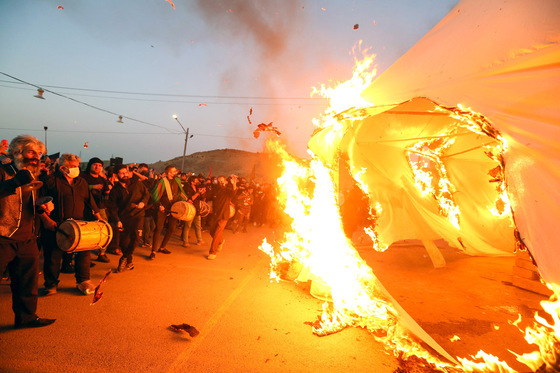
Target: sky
(211, 63)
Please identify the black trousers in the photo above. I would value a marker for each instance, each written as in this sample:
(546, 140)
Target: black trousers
(52, 256)
(163, 220)
(22, 260)
(129, 235)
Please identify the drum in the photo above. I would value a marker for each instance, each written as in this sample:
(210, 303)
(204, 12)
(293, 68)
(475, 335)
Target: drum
(183, 211)
(77, 235)
(209, 204)
(204, 209)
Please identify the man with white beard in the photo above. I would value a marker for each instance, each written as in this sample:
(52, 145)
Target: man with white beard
(18, 228)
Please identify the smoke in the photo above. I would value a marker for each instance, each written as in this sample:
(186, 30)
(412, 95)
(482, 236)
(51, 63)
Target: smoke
(265, 37)
(266, 26)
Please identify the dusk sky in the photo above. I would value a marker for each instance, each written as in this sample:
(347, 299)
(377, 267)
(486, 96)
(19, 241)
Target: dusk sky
(207, 61)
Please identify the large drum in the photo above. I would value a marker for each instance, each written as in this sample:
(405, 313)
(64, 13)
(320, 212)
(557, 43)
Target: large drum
(210, 210)
(183, 211)
(77, 235)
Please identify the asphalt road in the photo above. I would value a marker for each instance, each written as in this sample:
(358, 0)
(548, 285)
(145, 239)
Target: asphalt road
(247, 323)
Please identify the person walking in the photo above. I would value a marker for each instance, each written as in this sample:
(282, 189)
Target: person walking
(126, 204)
(221, 201)
(167, 191)
(70, 195)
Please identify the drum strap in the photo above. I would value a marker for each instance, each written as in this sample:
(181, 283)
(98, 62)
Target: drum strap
(168, 189)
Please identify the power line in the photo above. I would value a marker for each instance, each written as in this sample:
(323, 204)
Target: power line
(123, 133)
(133, 133)
(84, 103)
(180, 95)
(247, 104)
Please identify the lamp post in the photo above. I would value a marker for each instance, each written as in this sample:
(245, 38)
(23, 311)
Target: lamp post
(46, 128)
(186, 140)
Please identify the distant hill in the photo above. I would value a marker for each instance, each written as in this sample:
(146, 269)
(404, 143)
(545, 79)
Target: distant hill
(225, 162)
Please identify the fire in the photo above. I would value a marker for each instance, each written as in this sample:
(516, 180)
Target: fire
(426, 160)
(315, 247)
(495, 150)
(545, 336)
(374, 212)
(318, 243)
(347, 94)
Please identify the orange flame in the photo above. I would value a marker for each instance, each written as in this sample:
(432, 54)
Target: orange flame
(317, 246)
(347, 95)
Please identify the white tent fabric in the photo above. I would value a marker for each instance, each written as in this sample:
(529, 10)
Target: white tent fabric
(500, 59)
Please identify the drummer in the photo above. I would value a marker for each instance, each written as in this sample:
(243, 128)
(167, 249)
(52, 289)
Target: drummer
(126, 210)
(167, 191)
(71, 194)
(222, 196)
(18, 228)
(195, 192)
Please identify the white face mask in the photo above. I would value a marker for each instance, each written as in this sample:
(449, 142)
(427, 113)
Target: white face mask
(73, 172)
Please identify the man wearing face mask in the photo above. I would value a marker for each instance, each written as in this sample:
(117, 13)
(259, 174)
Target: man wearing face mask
(71, 194)
(167, 191)
(126, 210)
(19, 228)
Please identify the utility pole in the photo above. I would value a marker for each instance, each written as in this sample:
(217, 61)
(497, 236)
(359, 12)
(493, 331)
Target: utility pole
(186, 140)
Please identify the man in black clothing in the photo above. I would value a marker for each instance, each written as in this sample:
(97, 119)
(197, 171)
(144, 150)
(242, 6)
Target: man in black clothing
(70, 195)
(99, 187)
(166, 192)
(195, 193)
(222, 196)
(19, 228)
(126, 210)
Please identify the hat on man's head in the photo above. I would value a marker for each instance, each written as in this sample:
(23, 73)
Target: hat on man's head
(95, 160)
(92, 161)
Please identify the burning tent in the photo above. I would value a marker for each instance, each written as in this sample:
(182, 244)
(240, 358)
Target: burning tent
(469, 117)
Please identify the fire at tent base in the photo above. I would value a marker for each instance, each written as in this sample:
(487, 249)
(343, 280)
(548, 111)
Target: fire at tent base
(315, 249)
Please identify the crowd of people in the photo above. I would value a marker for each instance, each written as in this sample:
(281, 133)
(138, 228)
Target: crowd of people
(38, 195)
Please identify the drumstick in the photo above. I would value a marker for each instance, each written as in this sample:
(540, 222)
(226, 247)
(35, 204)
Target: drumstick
(70, 238)
(142, 177)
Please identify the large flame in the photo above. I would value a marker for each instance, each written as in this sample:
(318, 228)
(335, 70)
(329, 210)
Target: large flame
(347, 94)
(315, 247)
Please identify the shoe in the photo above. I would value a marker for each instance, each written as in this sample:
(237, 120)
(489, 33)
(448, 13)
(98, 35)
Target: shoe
(186, 244)
(122, 264)
(86, 287)
(221, 245)
(153, 255)
(146, 246)
(92, 264)
(211, 256)
(163, 250)
(103, 258)
(67, 268)
(199, 243)
(37, 323)
(49, 291)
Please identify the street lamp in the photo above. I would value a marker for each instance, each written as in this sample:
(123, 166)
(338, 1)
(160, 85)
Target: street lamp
(46, 128)
(186, 140)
